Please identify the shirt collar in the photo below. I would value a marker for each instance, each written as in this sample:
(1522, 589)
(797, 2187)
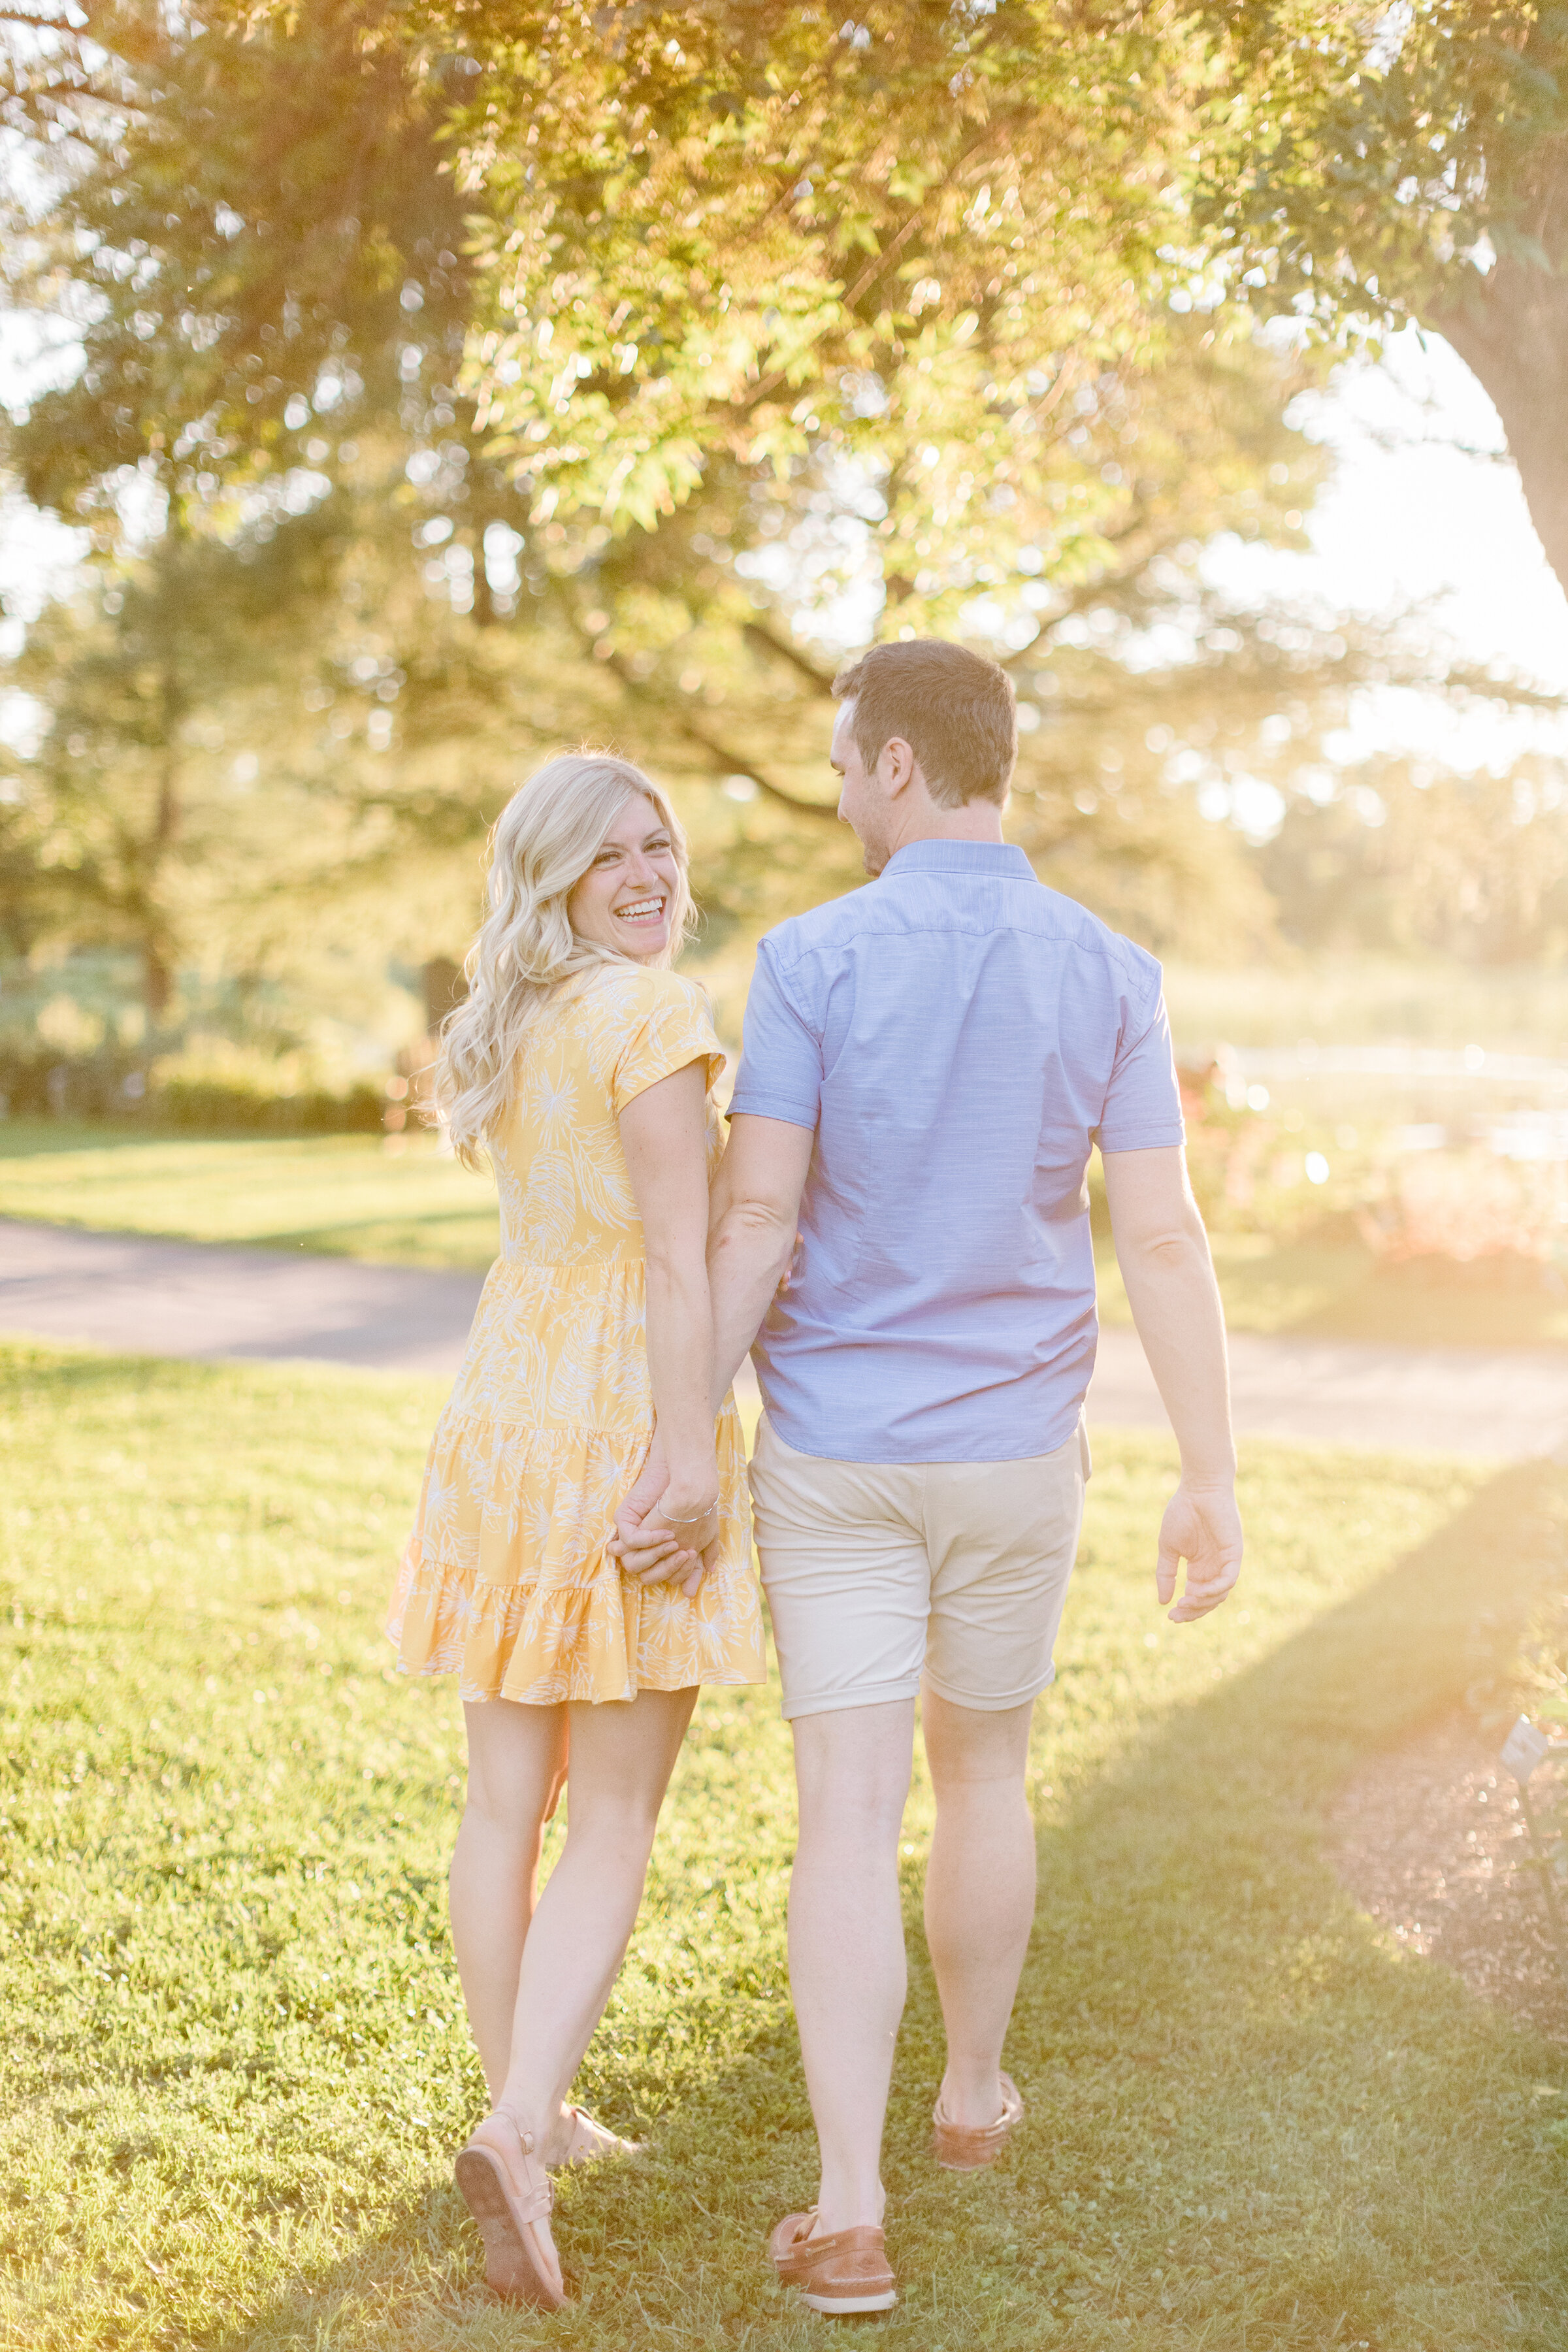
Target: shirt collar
(1000, 858)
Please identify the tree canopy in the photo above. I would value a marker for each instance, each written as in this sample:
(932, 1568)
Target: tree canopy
(455, 380)
(707, 208)
(1361, 171)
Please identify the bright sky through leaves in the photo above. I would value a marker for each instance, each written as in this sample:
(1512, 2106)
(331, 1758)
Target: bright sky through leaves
(1417, 514)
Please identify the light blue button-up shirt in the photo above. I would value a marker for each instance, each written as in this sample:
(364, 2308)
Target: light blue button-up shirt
(957, 1036)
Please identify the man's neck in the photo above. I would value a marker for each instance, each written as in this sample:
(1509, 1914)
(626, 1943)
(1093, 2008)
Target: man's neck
(975, 821)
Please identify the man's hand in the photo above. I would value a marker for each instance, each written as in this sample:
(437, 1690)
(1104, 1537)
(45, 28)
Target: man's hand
(1203, 1526)
(648, 1551)
(680, 1555)
(1165, 1264)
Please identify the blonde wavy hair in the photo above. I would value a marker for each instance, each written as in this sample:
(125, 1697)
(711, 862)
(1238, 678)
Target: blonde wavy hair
(540, 845)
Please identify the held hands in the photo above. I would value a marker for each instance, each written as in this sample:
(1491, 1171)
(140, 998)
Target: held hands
(1203, 1526)
(664, 1533)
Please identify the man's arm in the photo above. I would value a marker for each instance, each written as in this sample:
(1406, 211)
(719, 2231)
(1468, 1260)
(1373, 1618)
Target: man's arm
(1163, 1254)
(663, 1142)
(753, 1218)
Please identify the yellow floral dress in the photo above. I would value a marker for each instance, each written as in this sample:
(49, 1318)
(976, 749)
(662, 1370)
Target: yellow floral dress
(505, 1580)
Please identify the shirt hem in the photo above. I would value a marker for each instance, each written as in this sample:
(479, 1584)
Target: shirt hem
(1144, 1142)
(882, 1460)
(792, 1114)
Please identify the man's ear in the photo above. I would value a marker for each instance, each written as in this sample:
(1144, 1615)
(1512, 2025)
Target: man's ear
(897, 767)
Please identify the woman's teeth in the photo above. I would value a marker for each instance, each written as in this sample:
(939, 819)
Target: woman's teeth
(643, 910)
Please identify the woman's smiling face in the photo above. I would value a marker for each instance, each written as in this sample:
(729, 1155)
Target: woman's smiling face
(625, 899)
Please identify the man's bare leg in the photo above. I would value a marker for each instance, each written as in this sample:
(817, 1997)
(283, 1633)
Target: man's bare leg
(847, 1965)
(980, 1890)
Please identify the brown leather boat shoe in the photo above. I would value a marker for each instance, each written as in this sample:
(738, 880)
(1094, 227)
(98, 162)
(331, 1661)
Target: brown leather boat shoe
(969, 2147)
(840, 2275)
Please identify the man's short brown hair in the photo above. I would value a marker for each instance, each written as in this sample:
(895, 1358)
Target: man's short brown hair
(955, 709)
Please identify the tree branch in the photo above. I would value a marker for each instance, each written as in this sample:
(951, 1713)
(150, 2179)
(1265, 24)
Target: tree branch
(727, 761)
(758, 632)
(1093, 591)
(734, 764)
(59, 90)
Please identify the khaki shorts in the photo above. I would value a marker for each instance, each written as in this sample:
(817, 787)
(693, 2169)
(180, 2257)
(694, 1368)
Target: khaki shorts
(877, 1573)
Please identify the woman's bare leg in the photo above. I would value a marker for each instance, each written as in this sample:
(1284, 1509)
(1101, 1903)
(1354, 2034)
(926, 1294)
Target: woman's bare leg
(622, 1756)
(516, 1762)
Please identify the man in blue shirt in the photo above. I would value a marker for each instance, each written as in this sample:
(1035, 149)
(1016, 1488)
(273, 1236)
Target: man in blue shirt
(900, 1235)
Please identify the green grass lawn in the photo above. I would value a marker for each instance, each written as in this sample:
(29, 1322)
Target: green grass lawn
(349, 1195)
(235, 2064)
(346, 1195)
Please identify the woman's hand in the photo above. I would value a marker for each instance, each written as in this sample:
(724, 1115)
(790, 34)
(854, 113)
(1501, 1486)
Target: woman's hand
(667, 1533)
(634, 1544)
(627, 1544)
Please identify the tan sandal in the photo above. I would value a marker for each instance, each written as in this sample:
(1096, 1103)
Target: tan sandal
(842, 2275)
(969, 2147)
(590, 2141)
(521, 2264)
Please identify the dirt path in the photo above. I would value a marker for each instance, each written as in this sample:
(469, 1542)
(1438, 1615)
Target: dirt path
(183, 1298)
(1431, 1842)
(1509, 1403)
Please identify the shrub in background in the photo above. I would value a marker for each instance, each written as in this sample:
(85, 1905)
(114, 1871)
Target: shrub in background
(1464, 1208)
(113, 1085)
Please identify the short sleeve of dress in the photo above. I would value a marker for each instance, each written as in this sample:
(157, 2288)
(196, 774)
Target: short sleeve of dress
(666, 1024)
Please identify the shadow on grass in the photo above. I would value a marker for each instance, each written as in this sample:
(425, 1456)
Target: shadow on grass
(78, 1369)
(1253, 2121)
(35, 1138)
(417, 1239)
(29, 1139)
(420, 1242)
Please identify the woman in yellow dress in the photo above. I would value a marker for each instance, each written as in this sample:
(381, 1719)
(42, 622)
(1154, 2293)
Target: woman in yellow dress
(582, 1067)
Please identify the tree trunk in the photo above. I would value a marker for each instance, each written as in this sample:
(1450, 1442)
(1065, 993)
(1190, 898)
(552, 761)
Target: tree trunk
(1512, 332)
(157, 958)
(157, 981)
(484, 599)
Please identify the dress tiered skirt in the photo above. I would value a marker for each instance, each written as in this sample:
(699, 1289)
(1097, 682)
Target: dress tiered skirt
(505, 1580)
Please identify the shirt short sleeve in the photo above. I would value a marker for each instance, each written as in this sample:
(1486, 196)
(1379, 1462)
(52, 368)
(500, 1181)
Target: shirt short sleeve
(668, 1026)
(781, 1057)
(1143, 1101)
